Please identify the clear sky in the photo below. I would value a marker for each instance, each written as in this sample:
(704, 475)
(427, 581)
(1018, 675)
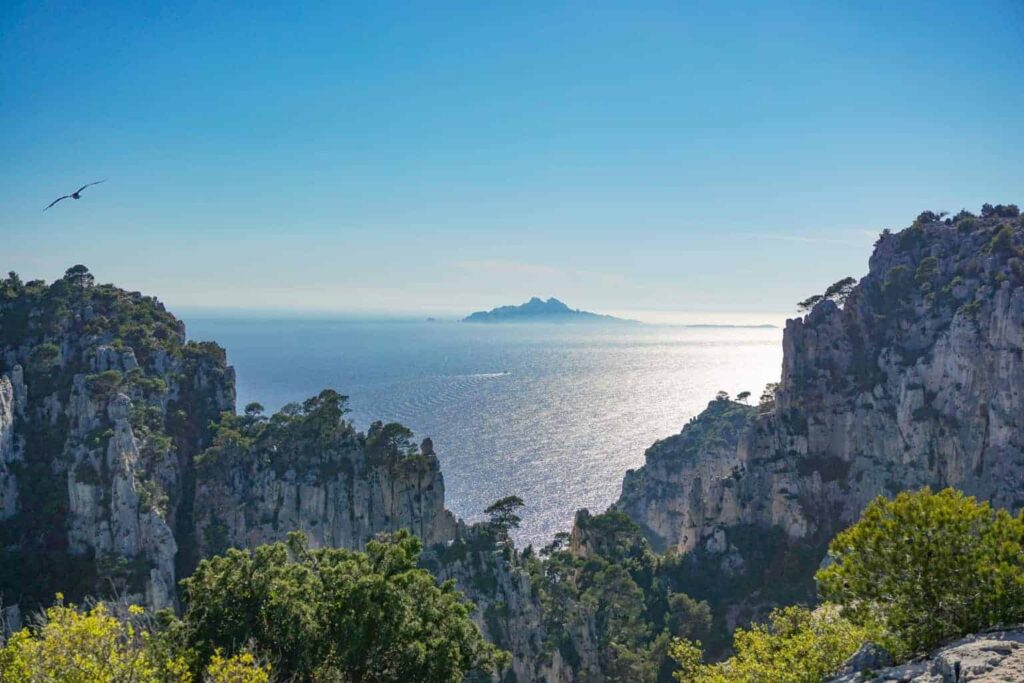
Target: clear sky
(443, 157)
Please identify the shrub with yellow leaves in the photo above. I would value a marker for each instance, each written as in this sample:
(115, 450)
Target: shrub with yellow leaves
(96, 646)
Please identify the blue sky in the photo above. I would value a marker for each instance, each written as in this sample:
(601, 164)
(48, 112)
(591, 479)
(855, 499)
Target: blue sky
(710, 158)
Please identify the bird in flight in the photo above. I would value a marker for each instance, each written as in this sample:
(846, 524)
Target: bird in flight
(77, 194)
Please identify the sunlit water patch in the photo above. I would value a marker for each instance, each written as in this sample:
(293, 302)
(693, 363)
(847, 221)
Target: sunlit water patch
(553, 414)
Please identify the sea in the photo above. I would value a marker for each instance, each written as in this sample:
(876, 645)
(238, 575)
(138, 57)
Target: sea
(555, 414)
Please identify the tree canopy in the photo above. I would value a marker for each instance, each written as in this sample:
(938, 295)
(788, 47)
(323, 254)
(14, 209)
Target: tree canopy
(503, 517)
(796, 645)
(838, 292)
(928, 568)
(99, 645)
(329, 613)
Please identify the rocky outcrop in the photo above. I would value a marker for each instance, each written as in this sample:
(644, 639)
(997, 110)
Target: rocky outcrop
(510, 613)
(246, 506)
(689, 481)
(914, 378)
(106, 516)
(99, 393)
(9, 451)
(994, 657)
(114, 434)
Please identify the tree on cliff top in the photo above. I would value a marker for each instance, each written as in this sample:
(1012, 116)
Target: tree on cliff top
(503, 515)
(79, 276)
(838, 292)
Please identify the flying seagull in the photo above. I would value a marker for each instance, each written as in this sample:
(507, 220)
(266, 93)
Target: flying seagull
(77, 194)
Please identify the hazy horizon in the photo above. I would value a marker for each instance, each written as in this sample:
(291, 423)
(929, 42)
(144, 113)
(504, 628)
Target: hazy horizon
(449, 314)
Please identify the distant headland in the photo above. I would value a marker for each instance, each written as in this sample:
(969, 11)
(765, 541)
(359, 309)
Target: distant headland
(537, 310)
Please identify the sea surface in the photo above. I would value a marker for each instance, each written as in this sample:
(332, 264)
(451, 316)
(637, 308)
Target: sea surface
(554, 414)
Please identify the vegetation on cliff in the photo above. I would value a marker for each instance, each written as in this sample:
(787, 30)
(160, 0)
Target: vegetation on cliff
(97, 645)
(283, 611)
(76, 340)
(927, 568)
(795, 645)
(309, 437)
(606, 576)
(905, 379)
(914, 572)
(333, 614)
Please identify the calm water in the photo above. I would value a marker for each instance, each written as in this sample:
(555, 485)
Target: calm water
(553, 414)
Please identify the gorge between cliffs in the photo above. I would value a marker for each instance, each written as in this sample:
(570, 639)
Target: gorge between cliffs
(124, 461)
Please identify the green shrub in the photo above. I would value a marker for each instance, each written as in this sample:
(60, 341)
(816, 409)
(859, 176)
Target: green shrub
(334, 614)
(928, 568)
(104, 384)
(797, 645)
(99, 437)
(1002, 241)
(86, 473)
(44, 356)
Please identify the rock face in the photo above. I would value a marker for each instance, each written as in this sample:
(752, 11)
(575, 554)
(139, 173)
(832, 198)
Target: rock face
(9, 451)
(93, 384)
(341, 496)
(996, 657)
(508, 610)
(916, 380)
(669, 496)
(114, 432)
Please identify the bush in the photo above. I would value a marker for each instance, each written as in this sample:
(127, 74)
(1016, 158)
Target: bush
(44, 356)
(86, 647)
(928, 568)
(1000, 210)
(1002, 241)
(334, 614)
(240, 668)
(102, 646)
(797, 645)
(104, 384)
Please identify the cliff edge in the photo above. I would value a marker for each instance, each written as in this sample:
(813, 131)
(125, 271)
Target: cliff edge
(913, 377)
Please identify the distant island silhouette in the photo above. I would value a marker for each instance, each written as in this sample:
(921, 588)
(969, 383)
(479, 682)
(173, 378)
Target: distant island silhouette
(540, 311)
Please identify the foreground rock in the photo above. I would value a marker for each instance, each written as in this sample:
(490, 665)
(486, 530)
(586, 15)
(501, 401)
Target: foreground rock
(990, 657)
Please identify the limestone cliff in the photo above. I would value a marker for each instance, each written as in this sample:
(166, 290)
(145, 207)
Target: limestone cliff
(509, 610)
(913, 377)
(118, 468)
(94, 382)
(308, 470)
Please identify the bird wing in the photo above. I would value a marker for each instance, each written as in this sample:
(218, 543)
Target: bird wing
(88, 184)
(57, 200)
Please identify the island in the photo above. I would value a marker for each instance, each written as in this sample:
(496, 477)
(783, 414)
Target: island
(536, 310)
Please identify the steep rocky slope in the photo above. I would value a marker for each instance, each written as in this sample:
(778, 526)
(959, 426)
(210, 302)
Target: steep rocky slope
(307, 469)
(509, 608)
(122, 461)
(913, 377)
